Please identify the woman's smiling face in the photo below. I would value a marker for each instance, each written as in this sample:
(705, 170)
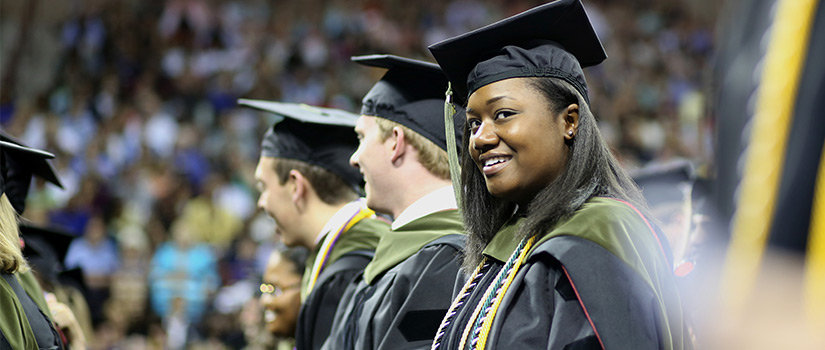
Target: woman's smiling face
(516, 140)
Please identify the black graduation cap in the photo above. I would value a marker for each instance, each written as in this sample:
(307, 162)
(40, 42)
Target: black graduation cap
(45, 248)
(319, 136)
(552, 40)
(666, 182)
(18, 164)
(411, 93)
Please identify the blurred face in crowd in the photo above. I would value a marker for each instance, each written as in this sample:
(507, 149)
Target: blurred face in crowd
(275, 198)
(182, 234)
(372, 157)
(516, 141)
(281, 296)
(95, 230)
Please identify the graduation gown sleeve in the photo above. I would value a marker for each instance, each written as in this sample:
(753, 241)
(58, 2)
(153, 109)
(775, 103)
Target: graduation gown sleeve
(353, 251)
(600, 279)
(411, 300)
(15, 332)
(617, 268)
(403, 307)
(318, 310)
(23, 323)
(608, 307)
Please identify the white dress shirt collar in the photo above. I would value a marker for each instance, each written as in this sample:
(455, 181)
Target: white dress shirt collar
(435, 201)
(337, 220)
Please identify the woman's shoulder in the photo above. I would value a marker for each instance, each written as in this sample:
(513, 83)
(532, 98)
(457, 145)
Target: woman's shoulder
(614, 224)
(604, 214)
(608, 206)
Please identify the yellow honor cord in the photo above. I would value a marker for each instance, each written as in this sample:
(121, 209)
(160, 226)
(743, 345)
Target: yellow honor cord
(329, 242)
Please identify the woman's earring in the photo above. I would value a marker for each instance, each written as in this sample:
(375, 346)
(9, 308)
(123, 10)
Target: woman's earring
(570, 133)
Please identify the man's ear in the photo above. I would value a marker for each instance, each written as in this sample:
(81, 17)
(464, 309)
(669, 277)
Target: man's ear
(298, 188)
(399, 146)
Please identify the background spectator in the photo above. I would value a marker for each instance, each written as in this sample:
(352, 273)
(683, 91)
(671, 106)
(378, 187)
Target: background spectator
(97, 255)
(183, 277)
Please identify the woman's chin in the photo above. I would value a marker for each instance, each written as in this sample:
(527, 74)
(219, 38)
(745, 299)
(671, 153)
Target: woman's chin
(510, 194)
(498, 192)
(278, 330)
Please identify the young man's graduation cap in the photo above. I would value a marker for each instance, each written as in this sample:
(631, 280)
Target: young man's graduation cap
(18, 164)
(552, 40)
(411, 93)
(319, 136)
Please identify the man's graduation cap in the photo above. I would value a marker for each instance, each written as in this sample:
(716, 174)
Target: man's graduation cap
(551, 40)
(319, 136)
(18, 164)
(411, 93)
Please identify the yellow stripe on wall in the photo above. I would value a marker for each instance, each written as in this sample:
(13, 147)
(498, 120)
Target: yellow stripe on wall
(776, 96)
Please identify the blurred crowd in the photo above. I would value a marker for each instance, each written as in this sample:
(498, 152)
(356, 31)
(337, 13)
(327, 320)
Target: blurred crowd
(137, 100)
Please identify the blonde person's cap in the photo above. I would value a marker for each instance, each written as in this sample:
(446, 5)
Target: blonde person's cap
(18, 164)
(410, 93)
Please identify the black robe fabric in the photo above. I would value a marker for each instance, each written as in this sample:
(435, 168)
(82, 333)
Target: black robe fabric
(576, 293)
(25, 323)
(317, 312)
(352, 252)
(399, 305)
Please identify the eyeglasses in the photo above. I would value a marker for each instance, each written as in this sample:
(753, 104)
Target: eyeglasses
(267, 288)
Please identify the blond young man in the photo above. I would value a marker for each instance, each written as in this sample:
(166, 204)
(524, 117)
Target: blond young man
(406, 289)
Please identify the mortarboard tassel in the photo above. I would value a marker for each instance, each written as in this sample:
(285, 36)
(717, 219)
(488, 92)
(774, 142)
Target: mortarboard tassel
(452, 152)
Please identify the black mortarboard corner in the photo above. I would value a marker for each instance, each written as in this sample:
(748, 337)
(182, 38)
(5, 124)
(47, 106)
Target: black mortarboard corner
(668, 182)
(411, 93)
(18, 164)
(45, 249)
(551, 40)
(319, 136)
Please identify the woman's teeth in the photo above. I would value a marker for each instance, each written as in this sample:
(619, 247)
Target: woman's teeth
(494, 161)
(270, 316)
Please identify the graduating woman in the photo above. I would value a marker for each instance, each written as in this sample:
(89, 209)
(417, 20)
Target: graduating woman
(561, 252)
(25, 315)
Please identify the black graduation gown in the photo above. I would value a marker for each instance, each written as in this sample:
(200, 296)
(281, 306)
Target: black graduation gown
(598, 280)
(405, 291)
(25, 322)
(351, 254)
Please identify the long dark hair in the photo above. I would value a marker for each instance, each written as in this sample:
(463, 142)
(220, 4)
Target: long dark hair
(590, 171)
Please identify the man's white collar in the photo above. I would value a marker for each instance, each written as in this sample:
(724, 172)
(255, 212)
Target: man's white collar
(338, 219)
(435, 201)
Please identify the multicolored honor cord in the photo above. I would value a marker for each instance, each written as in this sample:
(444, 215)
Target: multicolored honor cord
(482, 318)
